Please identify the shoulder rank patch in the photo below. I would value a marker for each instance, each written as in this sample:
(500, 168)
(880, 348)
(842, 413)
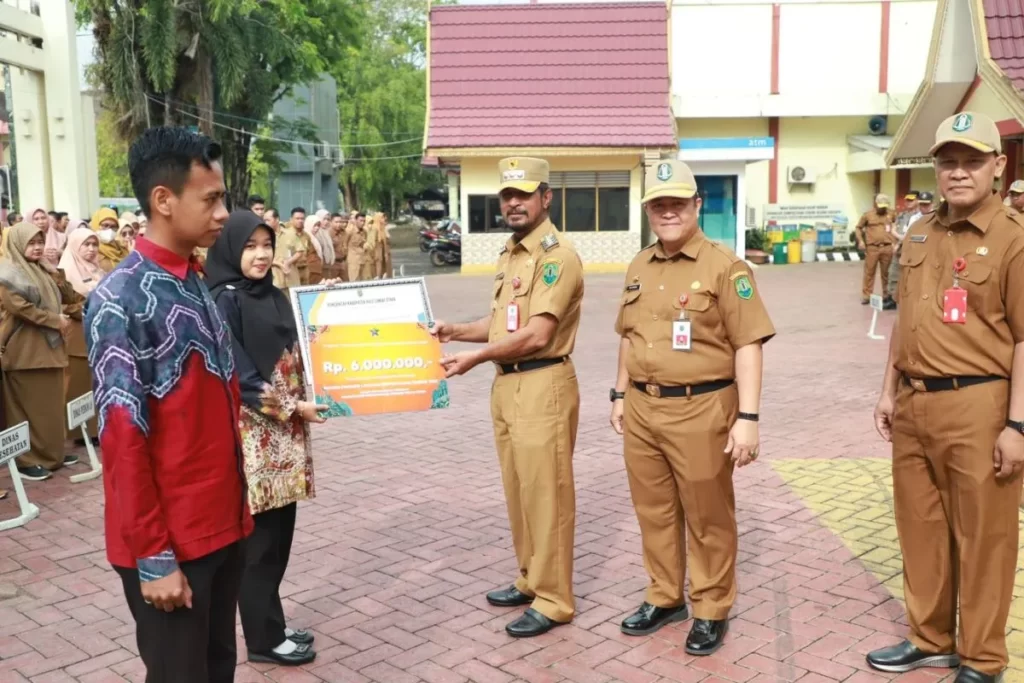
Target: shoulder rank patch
(499, 276)
(744, 289)
(550, 271)
(503, 250)
(633, 288)
(549, 242)
(918, 239)
(735, 276)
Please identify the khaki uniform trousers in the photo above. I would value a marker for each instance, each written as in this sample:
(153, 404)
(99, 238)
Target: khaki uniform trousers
(876, 257)
(894, 273)
(680, 479)
(355, 264)
(957, 523)
(535, 415)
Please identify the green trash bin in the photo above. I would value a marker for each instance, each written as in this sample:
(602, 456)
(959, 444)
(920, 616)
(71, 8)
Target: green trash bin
(780, 253)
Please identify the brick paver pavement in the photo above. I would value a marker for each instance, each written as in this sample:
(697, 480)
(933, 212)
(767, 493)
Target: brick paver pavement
(408, 531)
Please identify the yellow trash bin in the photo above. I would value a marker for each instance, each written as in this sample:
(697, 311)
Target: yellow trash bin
(794, 251)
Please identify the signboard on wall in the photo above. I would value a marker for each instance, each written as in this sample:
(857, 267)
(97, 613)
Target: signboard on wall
(726, 149)
(796, 213)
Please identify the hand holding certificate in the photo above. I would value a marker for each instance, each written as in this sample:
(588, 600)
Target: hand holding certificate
(365, 347)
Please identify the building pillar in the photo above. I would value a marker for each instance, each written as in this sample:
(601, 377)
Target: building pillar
(31, 140)
(454, 208)
(67, 137)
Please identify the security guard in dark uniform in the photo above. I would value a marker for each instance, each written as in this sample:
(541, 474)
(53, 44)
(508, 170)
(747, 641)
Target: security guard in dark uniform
(954, 412)
(686, 398)
(535, 400)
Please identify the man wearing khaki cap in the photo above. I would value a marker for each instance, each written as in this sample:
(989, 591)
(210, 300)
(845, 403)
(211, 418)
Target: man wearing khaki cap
(1016, 195)
(529, 334)
(876, 237)
(691, 324)
(955, 414)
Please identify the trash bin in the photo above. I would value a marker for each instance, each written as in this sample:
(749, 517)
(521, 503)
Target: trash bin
(794, 251)
(809, 252)
(779, 250)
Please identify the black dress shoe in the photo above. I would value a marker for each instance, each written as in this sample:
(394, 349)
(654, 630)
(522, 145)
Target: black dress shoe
(649, 619)
(303, 654)
(968, 675)
(706, 636)
(301, 637)
(906, 656)
(531, 624)
(509, 597)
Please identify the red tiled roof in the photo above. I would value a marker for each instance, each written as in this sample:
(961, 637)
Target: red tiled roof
(1004, 22)
(593, 75)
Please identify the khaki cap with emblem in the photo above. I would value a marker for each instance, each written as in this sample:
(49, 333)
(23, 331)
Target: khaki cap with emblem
(969, 128)
(523, 173)
(1016, 187)
(882, 201)
(669, 178)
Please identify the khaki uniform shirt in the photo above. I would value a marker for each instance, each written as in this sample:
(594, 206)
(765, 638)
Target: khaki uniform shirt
(877, 228)
(716, 291)
(550, 281)
(991, 241)
(23, 327)
(287, 245)
(356, 242)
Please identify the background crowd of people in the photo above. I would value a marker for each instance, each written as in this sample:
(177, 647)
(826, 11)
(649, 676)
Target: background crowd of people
(49, 263)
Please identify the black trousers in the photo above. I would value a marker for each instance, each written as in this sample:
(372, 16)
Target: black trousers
(266, 558)
(195, 645)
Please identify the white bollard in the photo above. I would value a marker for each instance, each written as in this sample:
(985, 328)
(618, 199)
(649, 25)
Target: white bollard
(876, 308)
(14, 442)
(80, 411)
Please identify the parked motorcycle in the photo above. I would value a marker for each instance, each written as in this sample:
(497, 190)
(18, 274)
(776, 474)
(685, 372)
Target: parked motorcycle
(435, 230)
(446, 250)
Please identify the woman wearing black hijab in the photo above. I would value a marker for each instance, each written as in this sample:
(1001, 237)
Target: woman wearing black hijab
(274, 425)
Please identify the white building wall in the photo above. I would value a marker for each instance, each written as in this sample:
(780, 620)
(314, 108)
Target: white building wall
(829, 57)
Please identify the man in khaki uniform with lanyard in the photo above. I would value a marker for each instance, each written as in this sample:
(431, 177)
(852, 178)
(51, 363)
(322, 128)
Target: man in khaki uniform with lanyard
(356, 247)
(686, 398)
(529, 334)
(954, 411)
(875, 236)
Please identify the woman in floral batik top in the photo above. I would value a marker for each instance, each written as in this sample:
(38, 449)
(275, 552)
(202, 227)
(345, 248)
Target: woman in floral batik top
(274, 425)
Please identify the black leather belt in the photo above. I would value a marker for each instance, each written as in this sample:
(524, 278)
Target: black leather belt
(527, 365)
(947, 383)
(682, 391)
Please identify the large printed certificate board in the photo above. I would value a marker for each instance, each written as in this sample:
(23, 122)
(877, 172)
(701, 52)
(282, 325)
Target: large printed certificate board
(365, 350)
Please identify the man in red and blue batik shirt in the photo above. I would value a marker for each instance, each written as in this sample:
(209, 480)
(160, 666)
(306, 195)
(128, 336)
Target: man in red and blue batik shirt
(168, 400)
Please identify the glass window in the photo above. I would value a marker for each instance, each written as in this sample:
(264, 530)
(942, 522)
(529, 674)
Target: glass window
(580, 209)
(556, 208)
(485, 214)
(614, 213)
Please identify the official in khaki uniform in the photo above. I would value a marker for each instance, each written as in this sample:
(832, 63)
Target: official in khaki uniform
(902, 223)
(686, 398)
(1016, 195)
(339, 238)
(356, 247)
(296, 235)
(286, 253)
(529, 334)
(953, 418)
(875, 236)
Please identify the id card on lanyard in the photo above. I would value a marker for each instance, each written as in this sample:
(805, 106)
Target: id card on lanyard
(954, 299)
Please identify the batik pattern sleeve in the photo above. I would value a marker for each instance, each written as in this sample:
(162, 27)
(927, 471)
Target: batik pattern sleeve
(124, 427)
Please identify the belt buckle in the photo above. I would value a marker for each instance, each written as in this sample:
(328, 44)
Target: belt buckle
(653, 390)
(918, 385)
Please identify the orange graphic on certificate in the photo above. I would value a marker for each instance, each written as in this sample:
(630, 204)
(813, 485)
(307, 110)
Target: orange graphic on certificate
(367, 369)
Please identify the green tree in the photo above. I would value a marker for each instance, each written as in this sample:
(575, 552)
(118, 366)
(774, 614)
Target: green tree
(217, 64)
(112, 157)
(382, 101)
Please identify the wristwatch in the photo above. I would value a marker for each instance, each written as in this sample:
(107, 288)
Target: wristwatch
(1016, 426)
(616, 395)
(750, 417)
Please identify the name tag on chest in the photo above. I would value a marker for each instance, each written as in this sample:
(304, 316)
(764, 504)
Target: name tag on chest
(682, 340)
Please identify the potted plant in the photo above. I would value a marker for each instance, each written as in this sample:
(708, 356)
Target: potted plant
(756, 241)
